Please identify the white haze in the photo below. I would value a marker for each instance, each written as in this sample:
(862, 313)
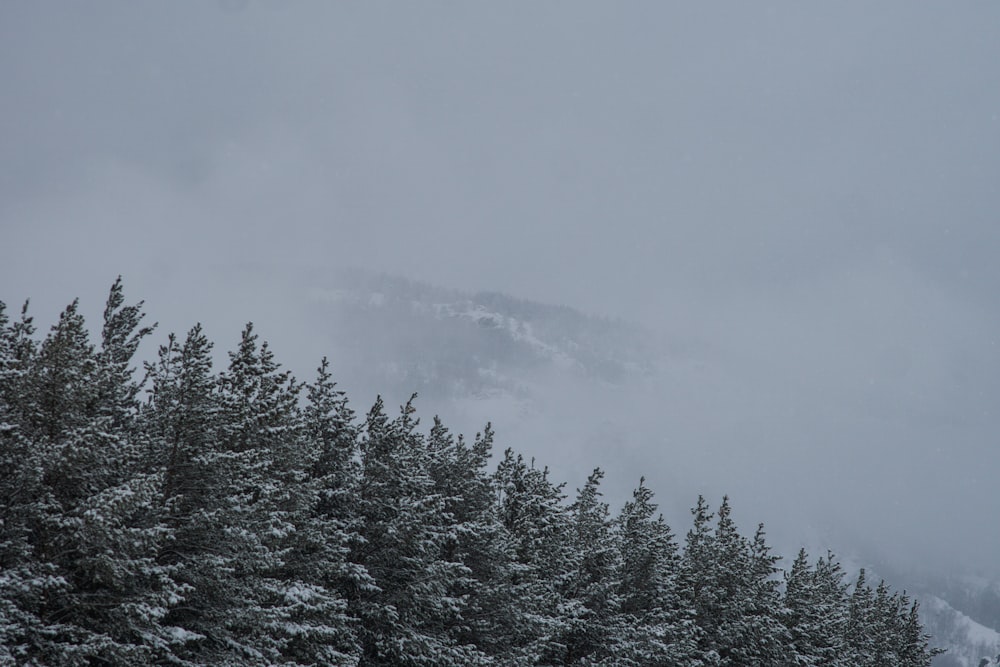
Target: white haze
(805, 195)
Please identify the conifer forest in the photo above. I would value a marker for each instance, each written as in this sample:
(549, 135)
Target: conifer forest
(166, 512)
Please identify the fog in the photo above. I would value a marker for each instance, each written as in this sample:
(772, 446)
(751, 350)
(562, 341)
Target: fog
(806, 196)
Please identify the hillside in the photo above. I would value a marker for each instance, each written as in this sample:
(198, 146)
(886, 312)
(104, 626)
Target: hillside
(585, 388)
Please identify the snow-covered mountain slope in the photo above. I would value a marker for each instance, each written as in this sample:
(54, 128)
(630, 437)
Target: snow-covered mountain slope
(442, 343)
(967, 641)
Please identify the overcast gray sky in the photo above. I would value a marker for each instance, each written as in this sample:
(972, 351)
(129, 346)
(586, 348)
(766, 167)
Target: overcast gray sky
(812, 188)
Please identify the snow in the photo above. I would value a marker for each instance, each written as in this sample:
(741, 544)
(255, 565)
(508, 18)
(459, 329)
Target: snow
(964, 638)
(517, 329)
(181, 636)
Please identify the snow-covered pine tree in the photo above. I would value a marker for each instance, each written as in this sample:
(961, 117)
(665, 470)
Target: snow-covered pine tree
(657, 624)
(26, 580)
(98, 529)
(745, 615)
(862, 650)
(475, 537)
(181, 418)
(63, 383)
(121, 334)
(699, 587)
(323, 537)
(800, 613)
(123, 527)
(887, 616)
(912, 644)
(17, 355)
(724, 593)
(265, 498)
(409, 616)
(762, 608)
(891, 630)
(593, 602)
(232, 456)
(828, 578)
(328, 423)
(542, 562)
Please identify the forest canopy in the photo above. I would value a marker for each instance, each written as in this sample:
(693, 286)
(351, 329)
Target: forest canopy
(166, 512)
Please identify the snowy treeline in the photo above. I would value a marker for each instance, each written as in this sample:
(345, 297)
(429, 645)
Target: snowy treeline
(240, 517)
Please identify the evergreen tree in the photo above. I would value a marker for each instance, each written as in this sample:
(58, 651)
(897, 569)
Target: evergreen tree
(541, 560)
(182, 418)
(698, 579)
(97, 527)
(724, 598)
(475, 537)
(831, 595)
(861, 645)
(658, 622)
(17, 355)
(593, 603)
(408, 616)
(799, 617)
(64, 381)
(121, 334)
(324, 536)
(182, 421)
(762, 608)
(816, 612)
(26, 581)
(122, 590)
(886, 617)
(913, 645)
(332, 438)
(264, 496)
(730, 583)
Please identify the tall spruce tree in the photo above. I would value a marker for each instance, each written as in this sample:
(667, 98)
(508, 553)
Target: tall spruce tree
(408, 616)
(913, 645)
(182, 419)
(828, 578)
(593, 597)
(264, 497)
(98, 529)
(657, 621)
(745, 613)
(815, 613)
(698, 576)
(121, 581)
(542, 561)
(861, 623)
(475, 537)
(121, 334)
(26, 580)
(762, 607)
(324, 535)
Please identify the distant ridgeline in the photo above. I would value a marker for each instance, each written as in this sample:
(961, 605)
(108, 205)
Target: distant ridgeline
(240, 517)
(416, 337)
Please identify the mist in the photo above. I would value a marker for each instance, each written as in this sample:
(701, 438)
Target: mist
(801, 200)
